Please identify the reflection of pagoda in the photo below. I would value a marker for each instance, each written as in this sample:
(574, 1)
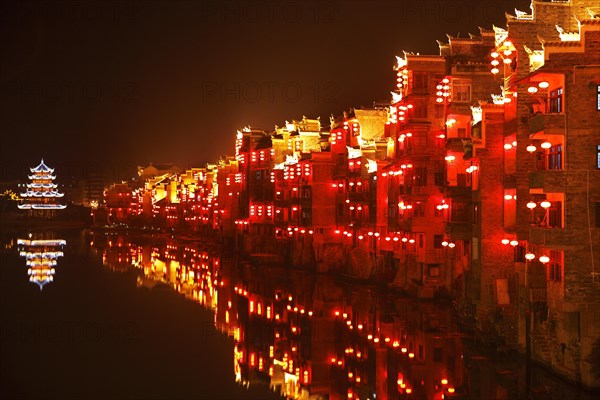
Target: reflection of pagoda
(42, 194)
(41, 257)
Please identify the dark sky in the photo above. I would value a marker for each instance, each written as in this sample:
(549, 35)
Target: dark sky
(116, 83)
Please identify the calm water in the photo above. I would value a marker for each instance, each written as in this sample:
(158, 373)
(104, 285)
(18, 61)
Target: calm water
(123, 316)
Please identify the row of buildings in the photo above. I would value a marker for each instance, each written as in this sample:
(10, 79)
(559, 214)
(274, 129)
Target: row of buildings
(480, 180)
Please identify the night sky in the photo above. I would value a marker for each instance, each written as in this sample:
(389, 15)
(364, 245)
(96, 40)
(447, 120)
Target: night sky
(120, 83)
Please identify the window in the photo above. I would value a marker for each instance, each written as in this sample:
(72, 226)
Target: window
(598, 214)
(555, 157)
(434, 270)
(555, 266)
(437, 241)
(419, 84)
(556, 101)
(420, 178)
(555, 215)
(419, 210)
(475, 214)
(420, 110)
(598, 101)
(461, 90)
(421, 241)
(599, 156)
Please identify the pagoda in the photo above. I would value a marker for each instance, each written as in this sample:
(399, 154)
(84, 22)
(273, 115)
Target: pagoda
(41, 258)
(42, 195)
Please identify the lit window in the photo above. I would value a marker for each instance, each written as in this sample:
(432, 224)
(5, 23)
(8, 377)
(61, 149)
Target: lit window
(556, 101)
(555, 157)
(461, 90)
(598, 106)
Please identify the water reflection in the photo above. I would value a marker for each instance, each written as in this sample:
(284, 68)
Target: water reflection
(311, 336)
(41, 252)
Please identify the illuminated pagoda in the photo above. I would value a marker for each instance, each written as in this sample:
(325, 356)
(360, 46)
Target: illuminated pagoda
(42, 196)
(41, 258)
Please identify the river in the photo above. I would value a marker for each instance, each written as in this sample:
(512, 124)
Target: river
(113, 315)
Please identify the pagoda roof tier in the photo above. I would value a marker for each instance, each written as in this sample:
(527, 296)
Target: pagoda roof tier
(42, 168)
(47, 193)
(42, 185)
(52, 177)
(41, 242)
(41, 206)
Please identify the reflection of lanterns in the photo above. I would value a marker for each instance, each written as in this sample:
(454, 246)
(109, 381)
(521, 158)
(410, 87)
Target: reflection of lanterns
(505, 241)
(529, 256)
(545, 204)
(546, 145)
(513, 243)
(531, 148)
(544, 259)
(531, 205)
(543, 85)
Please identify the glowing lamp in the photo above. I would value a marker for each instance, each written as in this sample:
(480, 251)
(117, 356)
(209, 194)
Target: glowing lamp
(529, 256)
(513, 243)
(494, 54)
(507, 146)
(507, 52)
(439, 100)
(532, 89)
(411, 241)
(546, 145)
(531, 148)
(445, 80)
(451, 245)
(545, 204)
(531, 205)
(451, 390)
(495, 71)
(544, 259)
(507, 61)
(508, 197)
(450, 158)
(514, 143)
(495, 63)
(444, 381)
(543, 85)
(505, 241)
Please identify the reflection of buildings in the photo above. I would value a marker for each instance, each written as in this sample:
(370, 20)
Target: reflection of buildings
(311, 337)
(41, 257)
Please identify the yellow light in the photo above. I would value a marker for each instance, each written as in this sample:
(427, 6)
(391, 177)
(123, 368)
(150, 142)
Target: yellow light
(532, 89)
(543, 85)
(545, 204)
(494, 54)
(531, 205)
(546, 145)
(544, 259)
(444, 381)
(531, 148)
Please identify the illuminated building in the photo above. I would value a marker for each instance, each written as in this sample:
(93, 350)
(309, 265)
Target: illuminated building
(42, 196)
(41, 257)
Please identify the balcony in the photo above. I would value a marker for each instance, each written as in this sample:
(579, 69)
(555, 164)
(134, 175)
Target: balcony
(547, 236)
(548, 180)
(460, 230)
(549, 124)
(458, 191)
